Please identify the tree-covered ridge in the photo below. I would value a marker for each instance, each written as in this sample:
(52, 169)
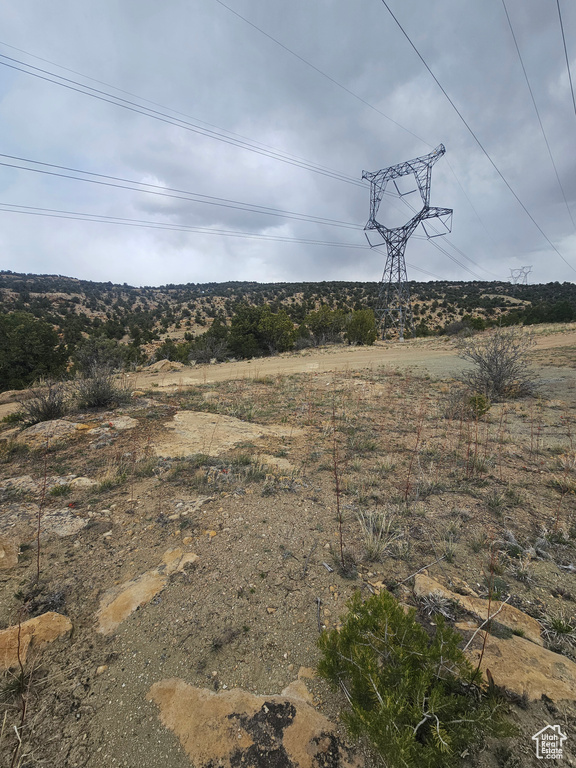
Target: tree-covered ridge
(203, 321)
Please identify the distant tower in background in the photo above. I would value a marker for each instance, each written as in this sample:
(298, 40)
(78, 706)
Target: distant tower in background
(393, 308)
(520, 276)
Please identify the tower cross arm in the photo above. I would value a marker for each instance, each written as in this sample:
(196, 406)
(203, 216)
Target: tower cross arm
(405, 168)
(431, 213)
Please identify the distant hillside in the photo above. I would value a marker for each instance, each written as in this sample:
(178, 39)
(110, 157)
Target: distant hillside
(152, 321)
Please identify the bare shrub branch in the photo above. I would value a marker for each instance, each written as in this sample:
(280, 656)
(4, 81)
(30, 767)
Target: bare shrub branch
(501, 368)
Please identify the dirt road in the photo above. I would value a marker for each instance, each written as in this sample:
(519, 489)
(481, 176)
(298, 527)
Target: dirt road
(436, 356)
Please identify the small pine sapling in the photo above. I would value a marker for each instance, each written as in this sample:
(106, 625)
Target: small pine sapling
(415, 697)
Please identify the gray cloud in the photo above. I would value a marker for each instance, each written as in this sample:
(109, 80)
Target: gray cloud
(200, 60)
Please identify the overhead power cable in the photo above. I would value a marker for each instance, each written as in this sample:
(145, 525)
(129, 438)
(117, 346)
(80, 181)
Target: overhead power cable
(219, 135)
(161, 191)
(538, 112)
(448, 242)
(566, 55)
(319, 71)
(173, 111)
(178, 194)
(144, 224)
(335, 82)
(476, 139)
(455, 260)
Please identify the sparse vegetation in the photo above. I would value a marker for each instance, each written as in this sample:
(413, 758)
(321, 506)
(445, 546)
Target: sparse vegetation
(414, 697)
(380, 529)
(500, 361)
(50, 401)
(99, 388)
(480, 500)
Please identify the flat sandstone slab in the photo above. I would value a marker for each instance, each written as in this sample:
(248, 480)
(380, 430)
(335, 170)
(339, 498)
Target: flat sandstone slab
(47, 432)
(9, 550)
(194, 432)
(119, 603)
(235, 728)
(524, 667)
(37, 631)
(511, 617)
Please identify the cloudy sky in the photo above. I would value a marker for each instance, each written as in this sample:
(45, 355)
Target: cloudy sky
(189, 119)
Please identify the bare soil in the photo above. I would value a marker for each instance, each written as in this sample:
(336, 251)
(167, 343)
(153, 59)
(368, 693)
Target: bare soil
(268, 577)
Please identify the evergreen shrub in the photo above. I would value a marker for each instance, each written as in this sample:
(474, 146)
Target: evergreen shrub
(414, 695)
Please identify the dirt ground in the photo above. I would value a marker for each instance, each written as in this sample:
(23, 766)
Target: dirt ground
(235, 463)
(437, 356)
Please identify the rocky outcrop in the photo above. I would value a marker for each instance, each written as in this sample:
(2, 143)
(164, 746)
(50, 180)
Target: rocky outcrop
(519, 663)
(235, 728)
(514, 619)
(162, 366)
(120, 602)
(9, 550)
(47, 432)
(196, 432)
(526, 668)
(16, 641)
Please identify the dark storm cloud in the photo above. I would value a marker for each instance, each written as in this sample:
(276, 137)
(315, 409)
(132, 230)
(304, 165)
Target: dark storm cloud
(204, 63)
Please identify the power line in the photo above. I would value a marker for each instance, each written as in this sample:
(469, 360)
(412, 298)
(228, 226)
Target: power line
(335, 82)
(55, 213)
(170, 109)
(413, 266)
(144, 224)
(319, 71)
(538, 112)
(99, 94)
(195, 197)
(219, 135)
(448, 242)
(475, 213)
(206, 199)
(454, 259)
(178, 194)
(476, 139)
(566, 54)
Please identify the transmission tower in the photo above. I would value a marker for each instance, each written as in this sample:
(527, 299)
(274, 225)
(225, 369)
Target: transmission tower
(520, 275)
(393, 309)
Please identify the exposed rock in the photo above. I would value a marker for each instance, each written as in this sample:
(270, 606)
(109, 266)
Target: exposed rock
(18, 517)
(38, 435)
(511, 617)
(82, 482)
(524, 667)
(195, 432)
(121, 422)
(117, 604)
(7, 409)
(23, 484)
(176, 560)
(276, 461)
(164, 365)
(62, 522)
(235, 728)
(424, 585)
(9, 550)
(10, 396)
(462, 588)
(34, 632)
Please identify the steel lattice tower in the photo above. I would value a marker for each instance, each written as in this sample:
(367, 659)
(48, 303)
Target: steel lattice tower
(393, 309)
(520, 275)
